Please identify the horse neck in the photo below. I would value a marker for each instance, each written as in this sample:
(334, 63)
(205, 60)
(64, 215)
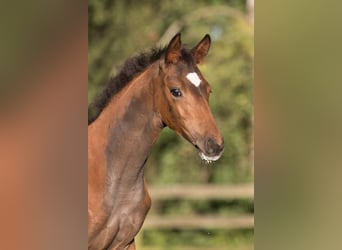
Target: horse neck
(131, 124)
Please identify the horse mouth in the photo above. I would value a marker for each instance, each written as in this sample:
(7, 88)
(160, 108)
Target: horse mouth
(208, 159)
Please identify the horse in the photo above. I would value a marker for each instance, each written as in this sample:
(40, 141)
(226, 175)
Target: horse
(159, 88)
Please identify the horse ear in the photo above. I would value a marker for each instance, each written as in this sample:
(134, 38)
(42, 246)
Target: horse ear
(200, 51)
(173, 51)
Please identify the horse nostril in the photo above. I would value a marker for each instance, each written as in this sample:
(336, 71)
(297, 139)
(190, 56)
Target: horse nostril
(209, 146)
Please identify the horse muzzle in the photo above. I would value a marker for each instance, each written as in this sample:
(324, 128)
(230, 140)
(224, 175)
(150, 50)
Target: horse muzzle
(211, 149)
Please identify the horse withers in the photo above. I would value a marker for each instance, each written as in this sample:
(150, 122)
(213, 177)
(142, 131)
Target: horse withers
(153, 90)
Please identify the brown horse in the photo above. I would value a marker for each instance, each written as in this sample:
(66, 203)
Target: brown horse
(153, 90)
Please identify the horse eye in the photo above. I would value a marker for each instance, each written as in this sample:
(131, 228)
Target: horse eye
(176, 92)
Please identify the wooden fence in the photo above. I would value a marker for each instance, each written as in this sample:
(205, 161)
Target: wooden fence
(200, 192)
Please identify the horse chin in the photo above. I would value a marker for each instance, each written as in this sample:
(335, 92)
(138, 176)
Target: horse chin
(209, 159)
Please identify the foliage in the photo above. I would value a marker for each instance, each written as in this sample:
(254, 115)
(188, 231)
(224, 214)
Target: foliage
(172, 239)
(120, 29)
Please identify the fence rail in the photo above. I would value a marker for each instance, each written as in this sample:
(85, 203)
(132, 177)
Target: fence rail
(201, 192)
(200, 222)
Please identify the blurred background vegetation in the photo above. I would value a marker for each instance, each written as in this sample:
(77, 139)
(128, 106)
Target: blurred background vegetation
(120, 29)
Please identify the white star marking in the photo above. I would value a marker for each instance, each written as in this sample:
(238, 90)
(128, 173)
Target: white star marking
(194, 79)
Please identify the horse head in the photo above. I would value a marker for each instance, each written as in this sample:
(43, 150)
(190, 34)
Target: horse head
(184, 99)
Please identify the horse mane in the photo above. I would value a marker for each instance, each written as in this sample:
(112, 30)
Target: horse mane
(130, 69)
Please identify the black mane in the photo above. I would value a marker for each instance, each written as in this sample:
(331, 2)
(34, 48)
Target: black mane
(130, 69)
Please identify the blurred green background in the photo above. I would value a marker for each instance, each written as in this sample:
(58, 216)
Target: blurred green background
(121, 29)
